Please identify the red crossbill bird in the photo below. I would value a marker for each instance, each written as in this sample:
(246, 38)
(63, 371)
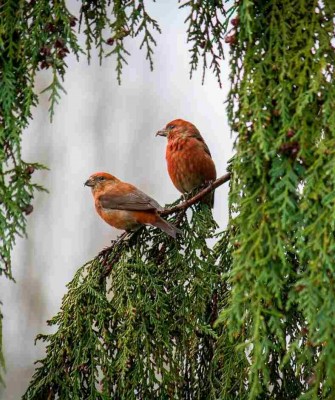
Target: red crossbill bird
(123, 206)
(188, 158)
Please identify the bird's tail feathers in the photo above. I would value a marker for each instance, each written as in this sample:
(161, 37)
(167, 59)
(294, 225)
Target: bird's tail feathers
(209, 200)
(168, 228)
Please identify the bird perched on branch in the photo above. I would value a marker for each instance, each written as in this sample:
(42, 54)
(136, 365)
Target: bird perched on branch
(123, 206)
(188, 158)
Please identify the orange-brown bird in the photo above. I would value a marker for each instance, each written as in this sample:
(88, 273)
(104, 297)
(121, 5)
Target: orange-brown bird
(123, 206)
(188, 158)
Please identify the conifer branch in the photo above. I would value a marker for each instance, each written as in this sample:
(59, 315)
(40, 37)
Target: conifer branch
(39, 35)
(200, 195)
(280, 310)
(208, 22)
(137, 321)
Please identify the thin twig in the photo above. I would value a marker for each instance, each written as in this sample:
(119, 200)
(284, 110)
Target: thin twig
(9, 152)
(108, 264)
(188, 203)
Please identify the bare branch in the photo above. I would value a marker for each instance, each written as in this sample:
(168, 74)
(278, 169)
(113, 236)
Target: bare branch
(188, 203)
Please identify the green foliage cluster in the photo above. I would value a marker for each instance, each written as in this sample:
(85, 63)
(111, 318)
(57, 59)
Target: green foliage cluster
(207, 24)
(38, 35)
(281, 303)
(120, 19)
(137, 321)
(32, 36)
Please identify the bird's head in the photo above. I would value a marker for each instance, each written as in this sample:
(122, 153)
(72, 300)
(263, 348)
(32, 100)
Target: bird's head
(100, 179)
(178, 128)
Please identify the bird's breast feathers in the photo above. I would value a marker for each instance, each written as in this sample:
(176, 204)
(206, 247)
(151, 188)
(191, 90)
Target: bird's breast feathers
(189, 163)
(118, 218)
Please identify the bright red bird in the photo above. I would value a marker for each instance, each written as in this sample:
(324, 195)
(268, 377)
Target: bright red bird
(188, 158)
(123, 206)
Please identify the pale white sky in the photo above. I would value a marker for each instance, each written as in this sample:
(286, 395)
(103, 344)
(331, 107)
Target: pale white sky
(100, 126)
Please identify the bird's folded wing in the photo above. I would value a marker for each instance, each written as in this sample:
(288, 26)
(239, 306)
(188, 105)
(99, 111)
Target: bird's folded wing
(198, 137)
(134, 201)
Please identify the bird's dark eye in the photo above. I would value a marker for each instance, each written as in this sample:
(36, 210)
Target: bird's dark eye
(101, 178)
(170, 127)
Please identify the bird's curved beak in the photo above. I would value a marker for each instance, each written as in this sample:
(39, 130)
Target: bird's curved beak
(162, 132)
(89, 182)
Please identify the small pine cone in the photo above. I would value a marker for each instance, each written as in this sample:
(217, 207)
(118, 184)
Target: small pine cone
(28, 209)
(30, 170)
(235, 21)
(50, 27)
(230, 39)
(59, 43)
(73, 21)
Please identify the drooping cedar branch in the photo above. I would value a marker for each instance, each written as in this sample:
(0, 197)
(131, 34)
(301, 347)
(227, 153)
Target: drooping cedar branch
(137, 320)
(38, 35)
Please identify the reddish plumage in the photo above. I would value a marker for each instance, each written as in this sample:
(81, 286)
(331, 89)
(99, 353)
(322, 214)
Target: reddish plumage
(188, 158)
(123, 206)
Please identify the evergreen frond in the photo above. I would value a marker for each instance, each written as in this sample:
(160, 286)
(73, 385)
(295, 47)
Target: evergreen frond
(145, 330)
(207, 25)
(281, 307)
(37, 35)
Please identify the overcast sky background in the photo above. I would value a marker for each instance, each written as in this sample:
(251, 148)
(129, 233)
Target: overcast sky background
(100, 126)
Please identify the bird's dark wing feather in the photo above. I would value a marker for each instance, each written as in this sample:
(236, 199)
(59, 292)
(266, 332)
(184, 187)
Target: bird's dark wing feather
(197, 136)
(133, 201)
(206, 148)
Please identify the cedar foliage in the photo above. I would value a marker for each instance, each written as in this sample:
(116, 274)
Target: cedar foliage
(137, 321)
(281, 303)
(37, 35)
